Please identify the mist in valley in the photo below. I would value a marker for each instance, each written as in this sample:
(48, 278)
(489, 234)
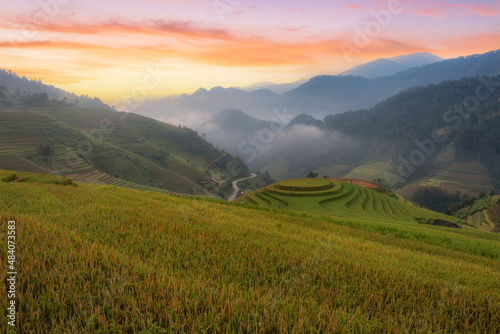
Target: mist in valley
(284, 149)
(299, 149)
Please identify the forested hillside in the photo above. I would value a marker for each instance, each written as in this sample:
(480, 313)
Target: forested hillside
(465, 113)
(17, 85)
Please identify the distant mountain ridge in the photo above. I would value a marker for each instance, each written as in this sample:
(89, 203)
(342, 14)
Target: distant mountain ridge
(230, 127)
(320, 96)
(273, 87)
(383, 67)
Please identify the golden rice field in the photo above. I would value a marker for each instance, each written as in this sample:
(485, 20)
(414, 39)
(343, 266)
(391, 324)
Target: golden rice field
(371, 171)
(103, 259)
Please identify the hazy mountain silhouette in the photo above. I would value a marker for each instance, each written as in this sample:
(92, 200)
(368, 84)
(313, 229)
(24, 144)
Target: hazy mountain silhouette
(390, 66)
(274, 87)
(320, 96)
(229, 128)
(416, 59)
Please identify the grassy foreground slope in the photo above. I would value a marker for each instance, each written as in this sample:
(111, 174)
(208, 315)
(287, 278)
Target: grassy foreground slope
(102, 259)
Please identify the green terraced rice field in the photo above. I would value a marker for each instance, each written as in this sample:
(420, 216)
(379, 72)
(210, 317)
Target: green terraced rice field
(337, 198)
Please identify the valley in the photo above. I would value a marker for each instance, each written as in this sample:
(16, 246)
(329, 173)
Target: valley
(236, 188)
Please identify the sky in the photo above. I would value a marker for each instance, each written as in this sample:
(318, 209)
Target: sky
(115, 49)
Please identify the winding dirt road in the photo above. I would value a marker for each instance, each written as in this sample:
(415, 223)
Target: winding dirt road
(235, 186)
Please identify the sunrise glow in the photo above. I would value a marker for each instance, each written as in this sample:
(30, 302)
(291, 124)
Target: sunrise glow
(107, 48)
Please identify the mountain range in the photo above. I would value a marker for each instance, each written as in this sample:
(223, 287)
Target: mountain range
(274, 87)
(319, 96)
(384, 67)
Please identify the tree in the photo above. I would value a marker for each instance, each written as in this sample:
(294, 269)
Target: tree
(435, 199)
(45, 149)
(267, 178)
(312, 175)
(3, 91)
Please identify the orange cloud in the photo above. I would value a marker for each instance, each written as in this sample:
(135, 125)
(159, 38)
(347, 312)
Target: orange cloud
(122, 26)
(207, 45)
(356, 6)
(158, 40)
(59, 78)
(250, 51)
(434, 12)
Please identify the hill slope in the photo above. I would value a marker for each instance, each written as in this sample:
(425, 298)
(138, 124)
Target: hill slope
(437, 113)
(482, 213)
(97, 259)
(15, 84)
(102, 146)
(376, 68)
